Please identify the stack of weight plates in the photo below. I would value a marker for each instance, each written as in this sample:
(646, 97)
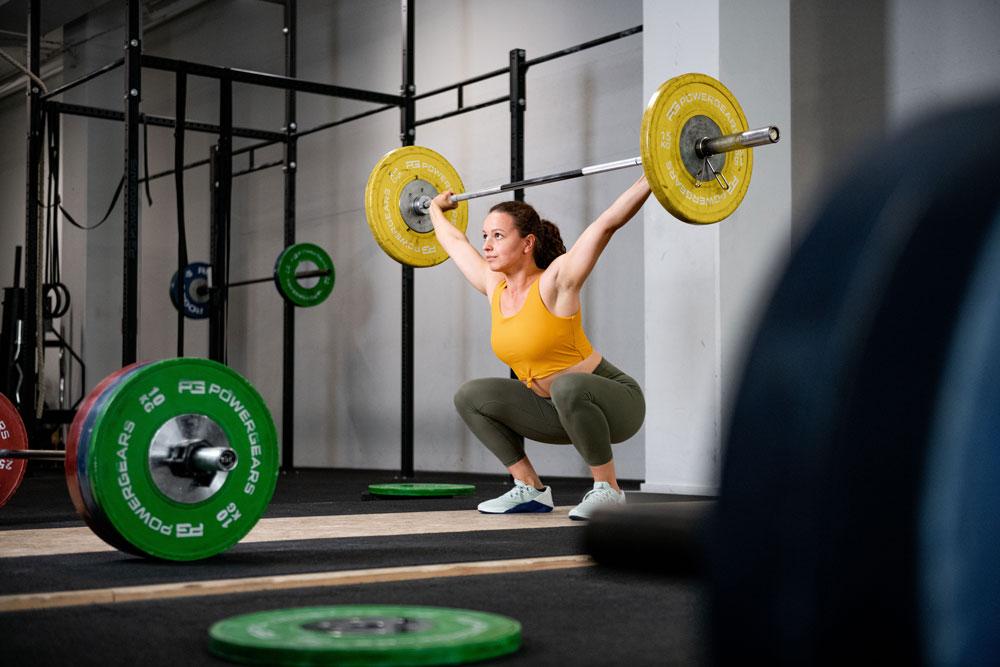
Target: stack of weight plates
(133, 421)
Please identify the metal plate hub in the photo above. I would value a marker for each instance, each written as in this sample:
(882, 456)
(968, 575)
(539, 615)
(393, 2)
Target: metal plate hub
(696, 128)
(368, 625)
(412, 193)
(172, 446)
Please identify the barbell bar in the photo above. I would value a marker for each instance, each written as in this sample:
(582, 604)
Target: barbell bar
(288, 277)
(705, 147)
(202, 459)
(205, 289)
(301, 275)
(43, 454)
(695, 149)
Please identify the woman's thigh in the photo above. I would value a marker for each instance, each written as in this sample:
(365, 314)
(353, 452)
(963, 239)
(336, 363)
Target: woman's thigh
(511, 403)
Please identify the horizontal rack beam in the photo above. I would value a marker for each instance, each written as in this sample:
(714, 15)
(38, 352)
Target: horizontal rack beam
(161, 121)
(461, 110)
(535, 61)
(84, 79)
(268, 80)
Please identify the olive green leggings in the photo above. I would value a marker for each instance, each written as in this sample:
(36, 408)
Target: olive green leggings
(589, 410)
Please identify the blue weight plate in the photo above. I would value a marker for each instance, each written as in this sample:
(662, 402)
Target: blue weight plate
(73, 439)
(196, 300)
(98, 521)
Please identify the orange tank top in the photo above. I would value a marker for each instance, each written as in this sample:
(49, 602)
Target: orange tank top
(534, 342)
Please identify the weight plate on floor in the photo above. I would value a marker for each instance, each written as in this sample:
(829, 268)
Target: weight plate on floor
(147, 410)
(77, 448)
(424, 490)
(12, 436)
(683, 110)
(388, 193)
(303, 292)
(364, 635)
(196, 296)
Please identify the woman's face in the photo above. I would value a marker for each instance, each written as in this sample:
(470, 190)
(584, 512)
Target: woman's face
(503, 245)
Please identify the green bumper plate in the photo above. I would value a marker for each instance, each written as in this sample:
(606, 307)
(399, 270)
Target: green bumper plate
(177, 520)
(364, 635)
(304, 292)
(422, 490)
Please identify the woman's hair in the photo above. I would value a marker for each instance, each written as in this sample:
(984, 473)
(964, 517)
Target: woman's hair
(549, 244)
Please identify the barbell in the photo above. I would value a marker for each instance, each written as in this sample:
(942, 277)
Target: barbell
(704, 149)
(174, 459)
(694, 149)
(294, 270)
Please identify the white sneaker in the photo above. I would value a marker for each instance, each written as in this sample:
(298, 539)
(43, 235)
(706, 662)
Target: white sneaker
(602, 495)
(522, 498)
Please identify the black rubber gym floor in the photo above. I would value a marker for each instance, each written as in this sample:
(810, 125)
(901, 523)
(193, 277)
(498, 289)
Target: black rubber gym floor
(576, 616)
(42, 500)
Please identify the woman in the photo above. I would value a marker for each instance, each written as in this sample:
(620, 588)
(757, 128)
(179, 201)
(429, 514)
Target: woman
(566, 392)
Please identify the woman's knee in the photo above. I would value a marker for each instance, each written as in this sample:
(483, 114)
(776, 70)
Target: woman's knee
(472, 394)
(569, 391)
(465, 397)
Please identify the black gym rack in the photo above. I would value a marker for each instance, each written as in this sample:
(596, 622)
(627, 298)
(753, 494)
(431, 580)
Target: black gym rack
(220, 162)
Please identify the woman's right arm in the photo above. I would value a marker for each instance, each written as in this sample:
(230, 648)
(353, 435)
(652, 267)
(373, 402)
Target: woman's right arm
(456, 243)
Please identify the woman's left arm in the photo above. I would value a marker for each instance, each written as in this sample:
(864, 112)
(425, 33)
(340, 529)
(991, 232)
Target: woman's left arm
(573, 267)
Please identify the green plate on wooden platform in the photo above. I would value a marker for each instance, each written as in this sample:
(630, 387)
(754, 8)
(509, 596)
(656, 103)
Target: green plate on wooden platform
(411, 489)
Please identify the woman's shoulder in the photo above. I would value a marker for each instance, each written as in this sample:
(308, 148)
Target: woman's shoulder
(549, 280)
(493, 280)
(549, 288)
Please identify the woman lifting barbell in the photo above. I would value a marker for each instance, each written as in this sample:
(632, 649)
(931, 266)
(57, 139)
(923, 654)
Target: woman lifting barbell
(566, 392)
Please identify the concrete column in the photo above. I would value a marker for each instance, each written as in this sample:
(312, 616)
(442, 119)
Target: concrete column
(703, 284)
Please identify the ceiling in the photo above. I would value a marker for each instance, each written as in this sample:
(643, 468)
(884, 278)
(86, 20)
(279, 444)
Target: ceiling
(54, 15)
